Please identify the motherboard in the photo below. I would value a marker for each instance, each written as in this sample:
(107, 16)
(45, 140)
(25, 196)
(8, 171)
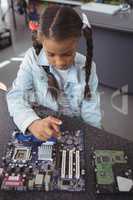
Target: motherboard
(55, 165)
(113, 172)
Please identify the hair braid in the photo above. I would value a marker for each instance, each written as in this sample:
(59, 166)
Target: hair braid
(53, 86)
(36, 44)
(88, 35)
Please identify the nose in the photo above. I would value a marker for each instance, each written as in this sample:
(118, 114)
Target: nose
(60, 62)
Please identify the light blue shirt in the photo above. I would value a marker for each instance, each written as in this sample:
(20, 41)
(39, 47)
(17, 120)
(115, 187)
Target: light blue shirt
(31, 85)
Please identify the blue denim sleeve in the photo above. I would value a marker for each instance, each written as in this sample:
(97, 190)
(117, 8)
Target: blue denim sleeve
(18, 106)
(90, 109)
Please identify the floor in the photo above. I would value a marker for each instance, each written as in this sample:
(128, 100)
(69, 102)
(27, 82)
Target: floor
(117, 110)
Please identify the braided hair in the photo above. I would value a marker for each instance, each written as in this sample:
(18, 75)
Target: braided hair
(88, 35)
(60, 23)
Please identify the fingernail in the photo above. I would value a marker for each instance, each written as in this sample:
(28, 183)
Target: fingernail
(60, 122)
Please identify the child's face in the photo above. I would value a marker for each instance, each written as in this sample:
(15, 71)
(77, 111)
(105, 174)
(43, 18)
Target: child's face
(60, 54)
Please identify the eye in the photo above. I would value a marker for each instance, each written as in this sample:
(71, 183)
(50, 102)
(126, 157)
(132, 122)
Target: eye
(50, 54)
(68, 55)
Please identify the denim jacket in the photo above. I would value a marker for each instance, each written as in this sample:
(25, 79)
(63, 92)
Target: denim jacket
(31, 84)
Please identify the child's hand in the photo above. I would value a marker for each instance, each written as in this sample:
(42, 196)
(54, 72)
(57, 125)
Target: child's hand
(43, 129)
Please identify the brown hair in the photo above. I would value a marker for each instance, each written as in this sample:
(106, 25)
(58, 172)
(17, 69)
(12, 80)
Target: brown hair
(54, 22)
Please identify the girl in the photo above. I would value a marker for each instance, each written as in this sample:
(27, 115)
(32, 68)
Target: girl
(54, 75)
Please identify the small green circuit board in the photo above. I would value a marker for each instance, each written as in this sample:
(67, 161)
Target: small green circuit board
(105, 161)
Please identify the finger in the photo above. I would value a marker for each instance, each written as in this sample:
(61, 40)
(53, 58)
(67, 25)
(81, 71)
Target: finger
(57, 134)
(48, 131)
(54, 120)
(55, 127)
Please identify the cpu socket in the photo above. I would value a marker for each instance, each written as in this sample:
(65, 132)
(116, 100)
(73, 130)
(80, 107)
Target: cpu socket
(22, 154)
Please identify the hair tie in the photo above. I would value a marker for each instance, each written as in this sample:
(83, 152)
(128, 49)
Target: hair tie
(85, 21)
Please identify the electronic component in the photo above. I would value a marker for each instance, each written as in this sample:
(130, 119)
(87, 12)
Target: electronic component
(77, 165)
(21, 154)
(47, 182)
(45, 151)
(111, 167)
(39, 180)
(70, 174)
(31, 184)
(13, 182)
(63, 165)
(30, 164)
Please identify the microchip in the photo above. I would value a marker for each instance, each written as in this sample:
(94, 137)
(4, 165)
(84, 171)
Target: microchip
(39, 179)
(98, 159)
(66, 182)
(118, 158)
(105, 159)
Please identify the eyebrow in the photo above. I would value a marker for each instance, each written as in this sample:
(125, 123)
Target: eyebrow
(69, 51)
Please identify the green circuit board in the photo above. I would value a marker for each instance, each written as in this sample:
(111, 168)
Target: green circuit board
(104, 160)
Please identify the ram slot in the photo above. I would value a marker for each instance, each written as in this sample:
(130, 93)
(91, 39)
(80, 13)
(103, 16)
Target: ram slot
(63, 165)
(77, 165)
(70, 174)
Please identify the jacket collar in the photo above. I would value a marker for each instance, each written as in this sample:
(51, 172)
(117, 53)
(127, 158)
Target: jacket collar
(42, 58)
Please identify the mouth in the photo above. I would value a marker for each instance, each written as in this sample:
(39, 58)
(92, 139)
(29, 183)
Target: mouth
(62, 67)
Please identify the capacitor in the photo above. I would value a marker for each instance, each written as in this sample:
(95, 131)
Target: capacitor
(4, 159)
(77, 133)
(54, 154)
(24, 176)
(36, 162)
(63, 133)
(8, 170)
(6, 175)
(12, 168)
(14, 161)
(83, 172)
(130, 171)
(30, 168)
(21, 169)
(49, 167)
(127, 173)
(21, 165)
